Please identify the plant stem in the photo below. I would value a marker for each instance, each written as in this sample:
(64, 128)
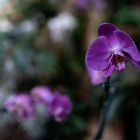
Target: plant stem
(107, 87)
(105, 109)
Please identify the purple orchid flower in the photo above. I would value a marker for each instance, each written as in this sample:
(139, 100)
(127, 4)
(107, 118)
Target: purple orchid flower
(60, 107)
(20, 105)
(112, 50)
(42, 95)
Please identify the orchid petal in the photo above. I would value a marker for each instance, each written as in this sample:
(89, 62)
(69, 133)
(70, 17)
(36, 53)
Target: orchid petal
(108, 72)
(96, 77)
(128, 47)
(98, 54)
(107, 30)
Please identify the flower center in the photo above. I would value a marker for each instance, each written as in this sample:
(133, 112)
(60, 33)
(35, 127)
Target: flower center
(119, 62)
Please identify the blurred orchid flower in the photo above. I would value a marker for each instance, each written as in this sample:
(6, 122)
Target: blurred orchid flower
(20, 105)
(42, 94)
(85, 4)
(60, 107)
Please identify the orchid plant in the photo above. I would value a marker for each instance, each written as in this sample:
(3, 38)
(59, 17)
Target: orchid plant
(109, 53)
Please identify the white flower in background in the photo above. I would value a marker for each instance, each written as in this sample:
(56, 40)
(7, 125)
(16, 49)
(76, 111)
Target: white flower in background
(61, 25)
(6, 25)
(28, 26)
(3, 3)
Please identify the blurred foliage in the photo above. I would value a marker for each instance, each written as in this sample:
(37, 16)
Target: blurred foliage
(127, 16)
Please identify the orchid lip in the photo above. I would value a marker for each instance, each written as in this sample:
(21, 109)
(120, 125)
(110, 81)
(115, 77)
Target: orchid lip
(119, 62)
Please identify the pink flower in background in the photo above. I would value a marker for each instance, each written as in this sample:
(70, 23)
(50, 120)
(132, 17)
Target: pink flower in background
(99, 4)
(10, 103)
(56, 105)
(82, 4)
(96, 77)
(60, 107)
(96, 4)
(42, 94)
(111, 51)
(20, 105)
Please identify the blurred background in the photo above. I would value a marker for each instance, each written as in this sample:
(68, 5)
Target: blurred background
(43, 42)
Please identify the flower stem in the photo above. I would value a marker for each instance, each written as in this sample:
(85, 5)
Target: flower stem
(107, 87)
(105, 109)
